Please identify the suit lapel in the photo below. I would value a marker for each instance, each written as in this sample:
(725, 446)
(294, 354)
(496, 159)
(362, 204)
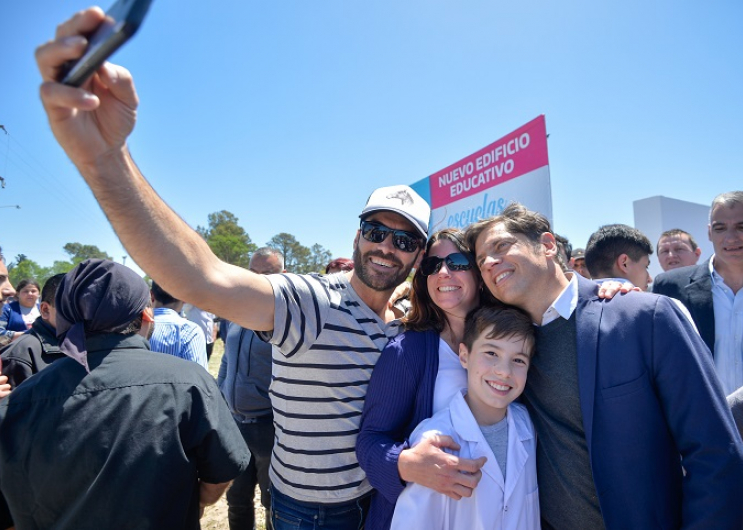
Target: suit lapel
(699, 294)
(587, 319)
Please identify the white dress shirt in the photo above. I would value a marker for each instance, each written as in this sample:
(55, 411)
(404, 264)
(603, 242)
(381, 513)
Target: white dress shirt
(728, 308)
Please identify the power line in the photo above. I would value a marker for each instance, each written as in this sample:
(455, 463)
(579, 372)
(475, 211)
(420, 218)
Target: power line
(25, 162)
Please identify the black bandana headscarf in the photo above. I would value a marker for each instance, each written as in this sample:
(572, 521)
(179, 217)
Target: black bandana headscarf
(97, 295)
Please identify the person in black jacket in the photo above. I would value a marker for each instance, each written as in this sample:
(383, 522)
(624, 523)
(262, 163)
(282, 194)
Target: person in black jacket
(37, 348)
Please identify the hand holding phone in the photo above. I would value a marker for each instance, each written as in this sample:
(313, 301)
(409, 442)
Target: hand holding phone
(121, 22)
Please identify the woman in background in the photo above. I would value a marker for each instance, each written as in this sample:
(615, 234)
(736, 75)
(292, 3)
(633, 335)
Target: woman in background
(18, 316)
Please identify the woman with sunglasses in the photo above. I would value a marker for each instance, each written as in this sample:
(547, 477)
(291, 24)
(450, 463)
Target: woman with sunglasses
(418, 372)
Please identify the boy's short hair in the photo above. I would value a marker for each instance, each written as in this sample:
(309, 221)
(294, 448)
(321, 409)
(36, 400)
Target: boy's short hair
(504, 322)
(49, 292)
(611, 241)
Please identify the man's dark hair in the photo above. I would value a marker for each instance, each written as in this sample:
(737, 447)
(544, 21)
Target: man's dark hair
(517, 219)
(611, 241)
(677, 232)
(161, 295)
(50, 289)
(506, 322)
(563, 245)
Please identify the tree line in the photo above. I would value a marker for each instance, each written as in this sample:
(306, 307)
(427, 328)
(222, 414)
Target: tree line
(231, 243)
(224, 235)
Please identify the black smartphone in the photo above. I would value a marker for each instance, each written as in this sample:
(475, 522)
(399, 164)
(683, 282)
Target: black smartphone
(121, 22)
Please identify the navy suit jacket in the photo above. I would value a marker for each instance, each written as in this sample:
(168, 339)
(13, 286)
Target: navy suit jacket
(649, 395)
(692, 285)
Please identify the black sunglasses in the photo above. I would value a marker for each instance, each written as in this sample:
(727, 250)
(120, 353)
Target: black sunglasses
(454, 262)
(402, 240)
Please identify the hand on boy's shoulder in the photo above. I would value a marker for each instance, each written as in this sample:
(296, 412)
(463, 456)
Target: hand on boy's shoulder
(433, 462)
(424, 432)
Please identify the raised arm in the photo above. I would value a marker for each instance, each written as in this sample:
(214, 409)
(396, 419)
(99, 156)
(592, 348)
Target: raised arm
(92, 124)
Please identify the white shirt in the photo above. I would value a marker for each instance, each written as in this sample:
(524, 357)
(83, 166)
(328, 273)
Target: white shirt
(450, 379)
(728, 308)
(510, 504)
(201, 318)
(29, 314)
(564, 304)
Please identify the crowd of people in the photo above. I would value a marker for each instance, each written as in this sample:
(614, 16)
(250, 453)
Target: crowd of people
(514, 383)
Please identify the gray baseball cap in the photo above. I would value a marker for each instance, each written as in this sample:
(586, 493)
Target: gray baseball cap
(402, 200)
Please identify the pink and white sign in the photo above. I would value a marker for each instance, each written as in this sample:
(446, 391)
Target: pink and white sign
(513, 168)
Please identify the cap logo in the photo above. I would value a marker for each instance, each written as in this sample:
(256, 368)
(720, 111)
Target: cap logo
(402, 195)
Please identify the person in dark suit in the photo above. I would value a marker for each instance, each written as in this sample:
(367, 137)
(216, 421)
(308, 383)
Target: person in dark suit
(622, 393)
(693, 287)
(713, 290)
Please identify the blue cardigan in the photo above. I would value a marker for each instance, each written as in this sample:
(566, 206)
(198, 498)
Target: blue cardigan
(399, 397)
(12, 319)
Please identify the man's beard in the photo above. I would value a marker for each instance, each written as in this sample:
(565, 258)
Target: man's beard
(362, 269)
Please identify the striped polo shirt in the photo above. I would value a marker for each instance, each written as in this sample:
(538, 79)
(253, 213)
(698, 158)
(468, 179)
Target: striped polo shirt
(326, 343)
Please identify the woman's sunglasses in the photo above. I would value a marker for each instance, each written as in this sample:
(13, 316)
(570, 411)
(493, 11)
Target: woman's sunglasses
(454, 262)
(402, 240)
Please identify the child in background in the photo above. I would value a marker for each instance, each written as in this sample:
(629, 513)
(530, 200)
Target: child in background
(496, 352)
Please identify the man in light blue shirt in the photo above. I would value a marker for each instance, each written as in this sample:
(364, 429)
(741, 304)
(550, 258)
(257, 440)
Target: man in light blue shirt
(174, 334)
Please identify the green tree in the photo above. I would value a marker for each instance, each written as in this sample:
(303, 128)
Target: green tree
(295, 254)
(79, 252)
(58, 267)
(318, 259)
(23, 268)
(227, 239)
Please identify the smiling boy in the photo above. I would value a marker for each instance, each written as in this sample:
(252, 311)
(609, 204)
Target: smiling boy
(496, 352)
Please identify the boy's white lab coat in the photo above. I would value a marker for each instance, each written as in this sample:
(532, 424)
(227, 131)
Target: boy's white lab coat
(493, 504)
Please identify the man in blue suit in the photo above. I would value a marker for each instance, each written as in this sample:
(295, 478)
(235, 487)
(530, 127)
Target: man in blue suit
(713, 291)
(622, 392)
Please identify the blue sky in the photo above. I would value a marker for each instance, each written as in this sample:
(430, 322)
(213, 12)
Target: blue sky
(289, 113)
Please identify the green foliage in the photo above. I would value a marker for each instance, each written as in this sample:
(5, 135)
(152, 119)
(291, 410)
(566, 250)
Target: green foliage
(79, 252)
(23, 267)
(298, 258)
(295, 254)
(227, 239)
(319, 258)
(58, 267)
